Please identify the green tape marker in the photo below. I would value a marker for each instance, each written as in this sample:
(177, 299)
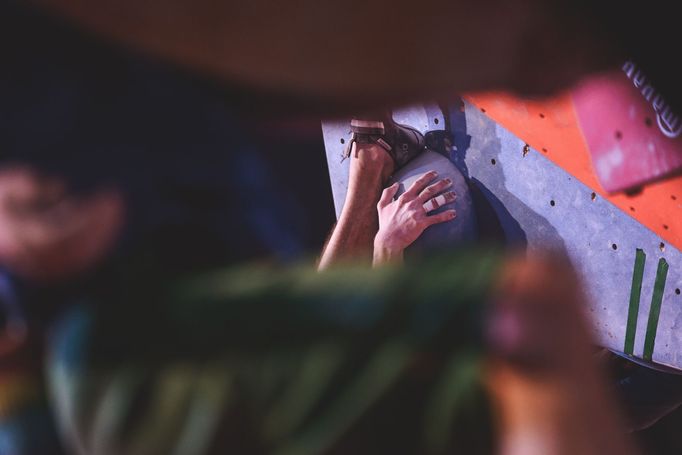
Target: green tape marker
(633, 308)
(655, 310)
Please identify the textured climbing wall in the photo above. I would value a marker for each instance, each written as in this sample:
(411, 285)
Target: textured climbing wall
(542, 206)
(551, 126)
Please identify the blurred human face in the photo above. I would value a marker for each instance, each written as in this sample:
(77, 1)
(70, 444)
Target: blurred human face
(48, 234)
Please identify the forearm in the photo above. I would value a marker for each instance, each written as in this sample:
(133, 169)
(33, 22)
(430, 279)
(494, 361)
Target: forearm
(352, 237)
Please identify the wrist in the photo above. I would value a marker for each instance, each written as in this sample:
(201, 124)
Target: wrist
(385, 251)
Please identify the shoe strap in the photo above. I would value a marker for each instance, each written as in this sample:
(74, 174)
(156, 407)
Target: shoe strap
(372, 127)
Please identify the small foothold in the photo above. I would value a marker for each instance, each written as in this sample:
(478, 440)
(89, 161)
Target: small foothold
(526, 149)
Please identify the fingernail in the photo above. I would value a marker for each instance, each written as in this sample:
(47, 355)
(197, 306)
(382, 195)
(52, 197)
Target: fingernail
(447, 181)
(452, 214)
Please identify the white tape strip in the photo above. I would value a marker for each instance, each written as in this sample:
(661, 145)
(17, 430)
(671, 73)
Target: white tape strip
(434, 203)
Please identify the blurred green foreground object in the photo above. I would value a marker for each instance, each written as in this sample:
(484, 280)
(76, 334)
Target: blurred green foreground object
(283, 361)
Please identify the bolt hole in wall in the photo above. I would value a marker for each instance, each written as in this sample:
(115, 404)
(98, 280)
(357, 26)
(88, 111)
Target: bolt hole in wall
(542, 115)
(552, 203)
(544, 150)
(435, 121)
(593, 196)
(648, 122)
(661, 246)
(677, 291)
(619, 135)
(343, 141)
(614, 247)
(493, 162)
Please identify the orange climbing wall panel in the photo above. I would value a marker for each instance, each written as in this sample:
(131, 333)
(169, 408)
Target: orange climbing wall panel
(551, 127)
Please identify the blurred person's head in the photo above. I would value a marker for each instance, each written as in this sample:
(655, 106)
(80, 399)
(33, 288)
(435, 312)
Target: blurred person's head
(48, 233)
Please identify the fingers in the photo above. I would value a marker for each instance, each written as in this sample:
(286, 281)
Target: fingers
(388, 194)
(419, 185)
(434, 189)
(439, 201)
(440, 217)
(541, 296)
(541, 363)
